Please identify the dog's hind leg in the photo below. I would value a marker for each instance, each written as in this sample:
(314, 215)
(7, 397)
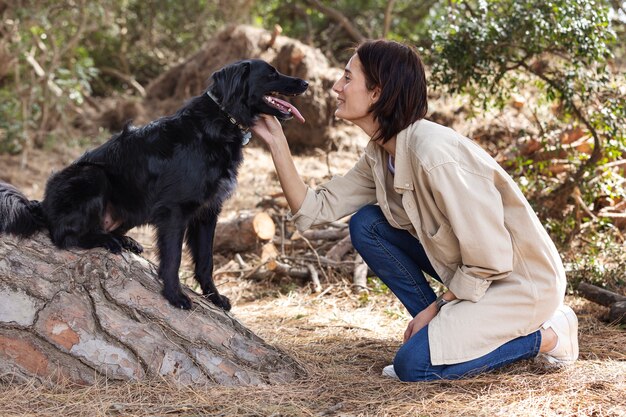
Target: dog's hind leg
(170, 233)
(200, 233)
(112, 223)
(75, 205)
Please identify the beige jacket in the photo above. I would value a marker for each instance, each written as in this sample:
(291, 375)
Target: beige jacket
(479, 232)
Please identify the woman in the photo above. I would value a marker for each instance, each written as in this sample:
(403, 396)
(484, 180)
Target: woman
(428, 200)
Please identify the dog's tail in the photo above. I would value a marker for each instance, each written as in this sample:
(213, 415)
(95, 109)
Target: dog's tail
(18, 215)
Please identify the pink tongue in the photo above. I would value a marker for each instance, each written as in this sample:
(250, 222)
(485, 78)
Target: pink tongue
(294, 111)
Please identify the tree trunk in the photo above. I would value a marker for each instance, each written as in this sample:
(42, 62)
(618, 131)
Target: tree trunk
(81, 315)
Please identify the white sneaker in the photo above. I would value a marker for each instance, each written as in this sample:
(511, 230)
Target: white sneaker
(390, 372)
(565, 325)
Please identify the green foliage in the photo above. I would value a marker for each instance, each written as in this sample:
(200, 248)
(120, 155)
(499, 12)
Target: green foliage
(142, 38)
(10, 123)
(51, 73)
(302, 19)
(478, 47)
(601, 262)
(376, 286)
(66, 50)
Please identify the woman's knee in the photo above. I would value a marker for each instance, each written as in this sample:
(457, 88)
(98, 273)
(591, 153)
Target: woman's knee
(412, 361)
(406, 365)
(361, 224)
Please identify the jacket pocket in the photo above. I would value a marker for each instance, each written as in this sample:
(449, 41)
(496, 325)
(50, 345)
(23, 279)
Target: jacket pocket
(445, 245)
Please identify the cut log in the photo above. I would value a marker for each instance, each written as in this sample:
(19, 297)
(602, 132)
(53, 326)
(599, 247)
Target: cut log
(85, 315)
(287, 270)
(273, 267)
(243, 233)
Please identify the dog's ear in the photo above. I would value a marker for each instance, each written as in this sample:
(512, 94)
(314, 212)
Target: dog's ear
(230, 85)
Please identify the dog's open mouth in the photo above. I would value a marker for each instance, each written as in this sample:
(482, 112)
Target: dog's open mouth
(284, 107)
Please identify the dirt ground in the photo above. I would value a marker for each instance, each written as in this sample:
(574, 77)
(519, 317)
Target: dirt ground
(343, 340)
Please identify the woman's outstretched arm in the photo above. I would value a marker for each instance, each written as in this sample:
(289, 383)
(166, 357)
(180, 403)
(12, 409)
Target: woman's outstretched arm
(271, 132)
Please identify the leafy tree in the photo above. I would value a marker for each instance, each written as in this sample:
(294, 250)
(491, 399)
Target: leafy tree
(489, 49)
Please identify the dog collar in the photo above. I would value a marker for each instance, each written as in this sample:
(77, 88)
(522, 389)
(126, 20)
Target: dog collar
(244, 130)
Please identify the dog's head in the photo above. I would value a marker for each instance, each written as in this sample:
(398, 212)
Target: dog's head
(248, 88)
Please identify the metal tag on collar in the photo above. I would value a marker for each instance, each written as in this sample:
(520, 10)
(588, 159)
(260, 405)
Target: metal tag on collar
(246, 137)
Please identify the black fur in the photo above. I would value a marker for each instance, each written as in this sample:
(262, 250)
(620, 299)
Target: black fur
(173, 173)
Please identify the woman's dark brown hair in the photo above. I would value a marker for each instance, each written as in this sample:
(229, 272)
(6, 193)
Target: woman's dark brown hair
(398, 70)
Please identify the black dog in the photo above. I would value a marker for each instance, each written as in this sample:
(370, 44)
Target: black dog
(174, 173)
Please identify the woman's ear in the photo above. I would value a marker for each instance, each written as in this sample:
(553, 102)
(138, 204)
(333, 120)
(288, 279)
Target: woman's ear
(375, 94)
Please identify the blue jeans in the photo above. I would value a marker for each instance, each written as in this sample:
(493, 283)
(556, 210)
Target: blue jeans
(399, 260)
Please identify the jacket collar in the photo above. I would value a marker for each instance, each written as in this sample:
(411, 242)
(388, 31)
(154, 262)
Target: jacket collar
(403, 178)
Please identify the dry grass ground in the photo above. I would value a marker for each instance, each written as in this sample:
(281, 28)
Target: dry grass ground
(343, 341)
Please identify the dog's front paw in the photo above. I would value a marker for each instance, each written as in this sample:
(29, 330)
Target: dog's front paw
(178, 299)
(219, 300)
(131, 244)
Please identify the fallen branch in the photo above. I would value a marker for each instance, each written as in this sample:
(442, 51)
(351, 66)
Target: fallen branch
(317, 287)
(339, 250)
(322, 234)
(599, 295)
(359, 277)
(615, 302)
(288, 270)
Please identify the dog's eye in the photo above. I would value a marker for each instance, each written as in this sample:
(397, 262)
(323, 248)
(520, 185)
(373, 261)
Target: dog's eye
(274, 76)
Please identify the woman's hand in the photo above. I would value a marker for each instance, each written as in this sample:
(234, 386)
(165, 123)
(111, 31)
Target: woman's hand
(269, 129)
(420, 321)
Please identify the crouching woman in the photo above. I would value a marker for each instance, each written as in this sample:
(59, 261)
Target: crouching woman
(426, 200)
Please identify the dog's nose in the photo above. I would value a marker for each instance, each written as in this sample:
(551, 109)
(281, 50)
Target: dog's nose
(305, 84)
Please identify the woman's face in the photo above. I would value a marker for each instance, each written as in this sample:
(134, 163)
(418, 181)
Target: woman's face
(354, 99)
